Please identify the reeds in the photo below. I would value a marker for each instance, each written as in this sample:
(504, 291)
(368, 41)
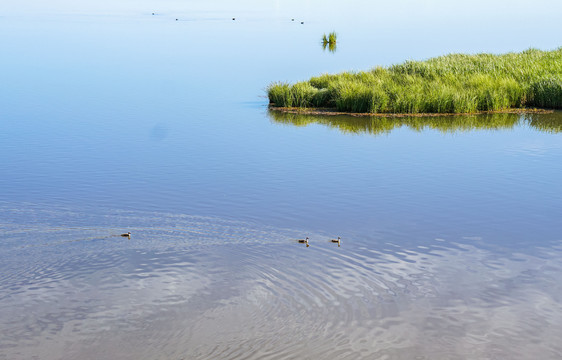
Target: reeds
(454, 83)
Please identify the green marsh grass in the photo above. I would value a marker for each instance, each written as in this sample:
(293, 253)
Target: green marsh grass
(455, 83)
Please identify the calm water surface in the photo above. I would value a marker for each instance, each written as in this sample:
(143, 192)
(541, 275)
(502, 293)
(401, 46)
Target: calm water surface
(113, 120)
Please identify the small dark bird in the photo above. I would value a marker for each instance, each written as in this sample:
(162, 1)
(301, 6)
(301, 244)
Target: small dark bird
(233, 18)
(302, 22)
(152, 13)
(127, 235)
(338, 240)
(304, 241)
(176, 19)
(292, 19)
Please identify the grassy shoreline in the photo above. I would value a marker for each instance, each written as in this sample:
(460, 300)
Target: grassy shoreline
(450, 84)
(333, 112)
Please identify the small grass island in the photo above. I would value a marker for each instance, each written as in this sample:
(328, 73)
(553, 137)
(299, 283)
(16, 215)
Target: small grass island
(330, 39)
(450, 84)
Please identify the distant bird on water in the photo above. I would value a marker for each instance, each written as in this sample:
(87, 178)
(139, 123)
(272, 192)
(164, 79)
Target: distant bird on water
(304, 241)
(338, 240)
(127, 235)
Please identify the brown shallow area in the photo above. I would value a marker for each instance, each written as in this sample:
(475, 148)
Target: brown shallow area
(328, 111)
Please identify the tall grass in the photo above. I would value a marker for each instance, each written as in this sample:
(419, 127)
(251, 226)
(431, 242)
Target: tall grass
(454, 83)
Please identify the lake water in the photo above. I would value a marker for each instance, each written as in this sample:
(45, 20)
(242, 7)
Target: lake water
(113, 120)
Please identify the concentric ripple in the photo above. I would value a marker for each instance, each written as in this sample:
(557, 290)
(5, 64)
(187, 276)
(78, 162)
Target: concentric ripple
(186, 287)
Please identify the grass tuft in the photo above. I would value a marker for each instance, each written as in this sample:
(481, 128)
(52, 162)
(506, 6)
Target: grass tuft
(330, 39)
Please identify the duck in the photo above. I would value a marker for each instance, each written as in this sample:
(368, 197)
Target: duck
(304, 241)
(338, 240)
(128, 234)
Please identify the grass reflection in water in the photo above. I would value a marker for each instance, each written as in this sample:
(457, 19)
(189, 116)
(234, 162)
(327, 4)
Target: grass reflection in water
(551, 123)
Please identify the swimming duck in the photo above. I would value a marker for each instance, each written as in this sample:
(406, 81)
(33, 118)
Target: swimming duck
(338, 240)
(304, 241)
(127, 235)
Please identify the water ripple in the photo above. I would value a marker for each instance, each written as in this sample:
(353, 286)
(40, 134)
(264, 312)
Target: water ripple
(201, 288)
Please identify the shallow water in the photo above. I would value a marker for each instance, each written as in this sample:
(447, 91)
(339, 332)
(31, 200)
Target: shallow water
(116, 120)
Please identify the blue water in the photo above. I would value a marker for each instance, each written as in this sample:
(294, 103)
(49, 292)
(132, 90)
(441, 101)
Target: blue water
(113, 120)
